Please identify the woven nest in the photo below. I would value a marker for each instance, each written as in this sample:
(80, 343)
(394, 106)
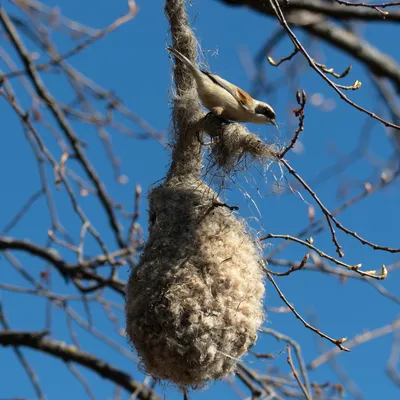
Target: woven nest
(194, 302)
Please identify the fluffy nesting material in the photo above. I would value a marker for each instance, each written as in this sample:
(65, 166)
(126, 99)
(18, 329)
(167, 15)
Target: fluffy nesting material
(194, 302)
(232, 144)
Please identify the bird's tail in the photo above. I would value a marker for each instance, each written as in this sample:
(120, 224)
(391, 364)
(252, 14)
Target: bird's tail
(183, 58)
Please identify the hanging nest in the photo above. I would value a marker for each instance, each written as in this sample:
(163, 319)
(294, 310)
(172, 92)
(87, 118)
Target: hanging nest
(194, 302)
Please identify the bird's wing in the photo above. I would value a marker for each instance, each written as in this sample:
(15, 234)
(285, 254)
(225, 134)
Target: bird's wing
(243, 98)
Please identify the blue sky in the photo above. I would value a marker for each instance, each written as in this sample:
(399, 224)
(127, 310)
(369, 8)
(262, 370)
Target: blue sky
(133, 62)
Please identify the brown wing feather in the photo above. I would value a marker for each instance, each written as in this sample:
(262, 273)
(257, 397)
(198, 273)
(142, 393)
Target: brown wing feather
(243, 98)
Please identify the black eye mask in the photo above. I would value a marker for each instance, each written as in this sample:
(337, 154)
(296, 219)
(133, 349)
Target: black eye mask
(264, 110)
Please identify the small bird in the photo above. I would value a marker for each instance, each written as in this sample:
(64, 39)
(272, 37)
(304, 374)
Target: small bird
(224, 99)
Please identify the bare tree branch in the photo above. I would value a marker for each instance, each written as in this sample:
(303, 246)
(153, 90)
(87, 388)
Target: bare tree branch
(70, 353)
(328, 9)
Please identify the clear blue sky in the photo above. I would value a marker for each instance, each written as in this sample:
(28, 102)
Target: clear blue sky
(133, 62)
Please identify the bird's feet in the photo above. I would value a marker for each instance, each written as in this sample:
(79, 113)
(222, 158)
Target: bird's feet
(223, 119)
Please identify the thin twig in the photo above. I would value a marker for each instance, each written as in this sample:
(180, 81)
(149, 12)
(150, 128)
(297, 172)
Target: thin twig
(329, 216)
(337, 342)
(297, 349)
(296, 374)
(356, 268)
(283, 59)
(392, 363)
(21, 213)
(357, 340)
(81, 379)
(376, 6)
(299, 112)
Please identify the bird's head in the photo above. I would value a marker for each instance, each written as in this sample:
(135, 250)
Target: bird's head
(265, 112)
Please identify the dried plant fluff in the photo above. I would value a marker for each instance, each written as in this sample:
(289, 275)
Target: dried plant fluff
(194, 302)
(232, 144)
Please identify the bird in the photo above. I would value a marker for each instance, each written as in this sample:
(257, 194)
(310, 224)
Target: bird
(224, 99)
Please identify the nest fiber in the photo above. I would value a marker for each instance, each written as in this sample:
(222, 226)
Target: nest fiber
(194, 302)
(233, 144)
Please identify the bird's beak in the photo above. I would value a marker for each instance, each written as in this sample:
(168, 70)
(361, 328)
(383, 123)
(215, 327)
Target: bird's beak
(273, 122)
